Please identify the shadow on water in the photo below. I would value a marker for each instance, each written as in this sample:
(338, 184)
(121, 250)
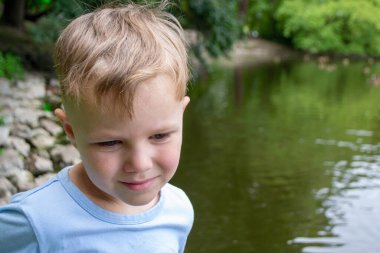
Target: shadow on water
(284, 158)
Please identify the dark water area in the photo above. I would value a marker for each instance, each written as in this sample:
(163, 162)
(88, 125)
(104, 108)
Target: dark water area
(284, 158)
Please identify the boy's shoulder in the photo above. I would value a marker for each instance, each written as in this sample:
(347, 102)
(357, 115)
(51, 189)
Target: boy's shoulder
(35, 192)
(176, 198)
(175, 192)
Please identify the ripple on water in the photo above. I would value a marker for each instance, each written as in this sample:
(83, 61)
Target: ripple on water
(352, 203)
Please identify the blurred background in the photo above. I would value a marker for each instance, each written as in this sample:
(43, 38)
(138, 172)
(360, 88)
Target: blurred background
(281, 148)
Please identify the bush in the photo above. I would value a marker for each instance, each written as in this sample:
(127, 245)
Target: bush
(339, 26)
(260, 20)
(11, 66)
(216, 20)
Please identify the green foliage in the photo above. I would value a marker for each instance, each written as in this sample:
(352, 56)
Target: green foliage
(38, 6)
(217, 20)
(339, 26)
(47, 107)
(260, 19)
(48, 27)
(11, 66)
(61, 12)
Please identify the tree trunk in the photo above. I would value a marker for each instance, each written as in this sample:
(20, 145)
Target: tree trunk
(13, 13)
(243, 8)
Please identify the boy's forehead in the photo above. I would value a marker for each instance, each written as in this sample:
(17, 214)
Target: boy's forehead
(94, 111)
(161, 86)
(154, 91)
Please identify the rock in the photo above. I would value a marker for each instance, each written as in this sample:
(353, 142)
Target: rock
(32, 87)
(6, 190)
(23, 180)
(40, 165)
(53, 91)
(47, 115)
(54, 99)
(38, 131)
(20, 145)
(22, 131)
(6, 185)
(67, 154)
(6, 102)
(43, 153)
(28, 133)
(34, 103)
(37, 91)
(4, 135)
(6, 116)
(23, 102)
(27, 116)
(43, 141)
(51, 127)
(10, 163)
(54, 83)
(5, 87)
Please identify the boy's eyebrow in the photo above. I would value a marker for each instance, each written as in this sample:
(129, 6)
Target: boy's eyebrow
(108, 133)
(170, 128)
(166, 125)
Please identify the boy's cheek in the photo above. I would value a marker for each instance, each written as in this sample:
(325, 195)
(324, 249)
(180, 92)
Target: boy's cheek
(169, 159)
(103, 166)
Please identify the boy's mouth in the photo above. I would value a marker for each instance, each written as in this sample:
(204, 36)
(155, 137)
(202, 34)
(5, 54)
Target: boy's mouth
(139, 185)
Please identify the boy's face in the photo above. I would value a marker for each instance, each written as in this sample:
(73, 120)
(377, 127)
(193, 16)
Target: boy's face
(130, 160)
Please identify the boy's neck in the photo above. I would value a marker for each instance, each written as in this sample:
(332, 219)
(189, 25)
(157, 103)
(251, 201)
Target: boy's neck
(80, 178)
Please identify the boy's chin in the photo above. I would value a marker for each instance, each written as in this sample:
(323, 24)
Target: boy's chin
(139, 204)
(145, 201)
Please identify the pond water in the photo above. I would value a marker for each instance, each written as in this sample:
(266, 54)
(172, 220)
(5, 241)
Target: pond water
(284, 158)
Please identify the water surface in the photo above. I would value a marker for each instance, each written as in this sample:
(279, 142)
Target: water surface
(284, 158)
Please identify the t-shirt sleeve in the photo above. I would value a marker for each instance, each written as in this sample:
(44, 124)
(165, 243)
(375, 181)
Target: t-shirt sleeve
(16, 232)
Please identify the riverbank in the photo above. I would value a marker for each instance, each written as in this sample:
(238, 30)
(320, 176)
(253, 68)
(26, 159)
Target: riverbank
(32, 144)
(255, 51)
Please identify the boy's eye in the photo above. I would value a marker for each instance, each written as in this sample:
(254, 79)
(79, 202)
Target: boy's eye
(159, 137)
(109, 143)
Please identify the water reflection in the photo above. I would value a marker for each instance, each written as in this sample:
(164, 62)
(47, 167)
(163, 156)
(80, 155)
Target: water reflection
(352, 203)
(283, 158)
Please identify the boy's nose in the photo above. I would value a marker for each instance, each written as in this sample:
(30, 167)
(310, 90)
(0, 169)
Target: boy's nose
(137, 161)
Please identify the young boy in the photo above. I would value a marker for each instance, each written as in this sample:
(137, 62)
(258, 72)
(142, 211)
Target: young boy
(123, 72)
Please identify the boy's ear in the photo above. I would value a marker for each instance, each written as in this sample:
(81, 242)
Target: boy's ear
(185, 102)
(62, 116)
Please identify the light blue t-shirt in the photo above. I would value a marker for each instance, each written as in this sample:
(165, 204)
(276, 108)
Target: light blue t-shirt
(58, 217)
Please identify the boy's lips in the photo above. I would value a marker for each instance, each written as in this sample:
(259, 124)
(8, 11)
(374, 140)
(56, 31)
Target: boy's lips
(139, 185)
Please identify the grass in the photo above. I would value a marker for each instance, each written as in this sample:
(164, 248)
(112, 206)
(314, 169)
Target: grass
(11, 66)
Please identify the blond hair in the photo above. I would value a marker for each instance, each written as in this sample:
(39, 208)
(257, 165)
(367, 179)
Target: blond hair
(108, 52)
